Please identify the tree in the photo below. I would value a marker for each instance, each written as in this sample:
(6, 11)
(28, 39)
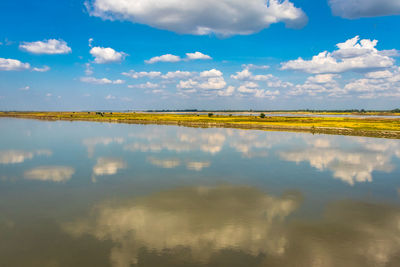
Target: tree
(262, 115)
(210, 114)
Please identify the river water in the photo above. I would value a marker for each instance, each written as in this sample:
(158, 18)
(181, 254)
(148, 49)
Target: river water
(100, 194)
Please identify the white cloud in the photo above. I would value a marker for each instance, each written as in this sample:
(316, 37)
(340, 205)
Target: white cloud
(254, 89)
(352, 55)
(321, 78)
(227, 92)
(246, 74)
(187, 84)
(177, 74)
(213, 83)
(50, 173)
(353, 9)
(90, 42)
(7, 64)
(147, 85)
(88, 69)
(223, 17)
(100, 80)
(43, 69)
(252, 66)
(163, 58)
(104, 55)
(197, 55)
(211, 73)
(49, 47)
(379, 74)
(143, 74)
(25, 88)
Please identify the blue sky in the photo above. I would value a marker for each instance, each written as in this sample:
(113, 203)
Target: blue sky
(228, 54)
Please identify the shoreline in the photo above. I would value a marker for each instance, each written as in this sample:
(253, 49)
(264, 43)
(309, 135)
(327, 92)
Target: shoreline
(366, 127)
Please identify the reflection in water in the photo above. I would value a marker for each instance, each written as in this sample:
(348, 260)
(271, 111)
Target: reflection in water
(197, 165)
(350, 165)
(230, 224)
(173, 163)
(350, 234)
(91, 143)
(201, 219)
(46, 225)
(164, 163)
(19, 156)
(107, 166)
(249, 144)
(50, 173)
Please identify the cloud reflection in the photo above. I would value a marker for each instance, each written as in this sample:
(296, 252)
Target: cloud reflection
(353, 163)
(108, 166)
(50, 173)
(91, 143)
(19, 156)
(202, 219)
(225, 225)
(212, 141)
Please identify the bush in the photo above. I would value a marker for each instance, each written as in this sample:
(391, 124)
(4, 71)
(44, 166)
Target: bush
(262, 115)
(210, 114)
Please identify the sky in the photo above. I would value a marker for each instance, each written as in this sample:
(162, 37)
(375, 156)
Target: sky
(199, 54)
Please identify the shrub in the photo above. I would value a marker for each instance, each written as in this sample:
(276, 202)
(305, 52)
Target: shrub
(262, 115)
(210, 114)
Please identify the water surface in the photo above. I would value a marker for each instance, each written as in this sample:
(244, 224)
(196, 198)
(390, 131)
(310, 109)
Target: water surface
(100, 194)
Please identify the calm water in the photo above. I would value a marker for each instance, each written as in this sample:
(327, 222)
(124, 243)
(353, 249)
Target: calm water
(98, 194)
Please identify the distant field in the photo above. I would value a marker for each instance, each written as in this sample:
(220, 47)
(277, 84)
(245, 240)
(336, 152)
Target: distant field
(367, 126)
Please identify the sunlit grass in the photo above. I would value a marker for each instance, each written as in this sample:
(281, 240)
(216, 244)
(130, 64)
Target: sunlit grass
(318, 124)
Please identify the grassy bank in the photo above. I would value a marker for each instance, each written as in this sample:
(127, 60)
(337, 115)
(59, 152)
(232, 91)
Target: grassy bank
(374, 127)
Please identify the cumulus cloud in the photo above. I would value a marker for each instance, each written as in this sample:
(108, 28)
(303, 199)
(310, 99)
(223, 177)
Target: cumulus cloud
(211, 73)
(254, 89)
(7, 64)
(49, 47)
(142, 74)
(50, 173)
(94, 80)
(352, 55)
(177, 74)
(197, 55)
(224, 17)
(43, 69)
(247, 75)
(104, 55)
(147, 85)
(227, 92)
(354, 9)
(173, 58)
(163, 58)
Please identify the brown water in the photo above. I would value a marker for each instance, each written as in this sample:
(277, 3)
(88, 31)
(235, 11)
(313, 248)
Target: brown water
(98, 194)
